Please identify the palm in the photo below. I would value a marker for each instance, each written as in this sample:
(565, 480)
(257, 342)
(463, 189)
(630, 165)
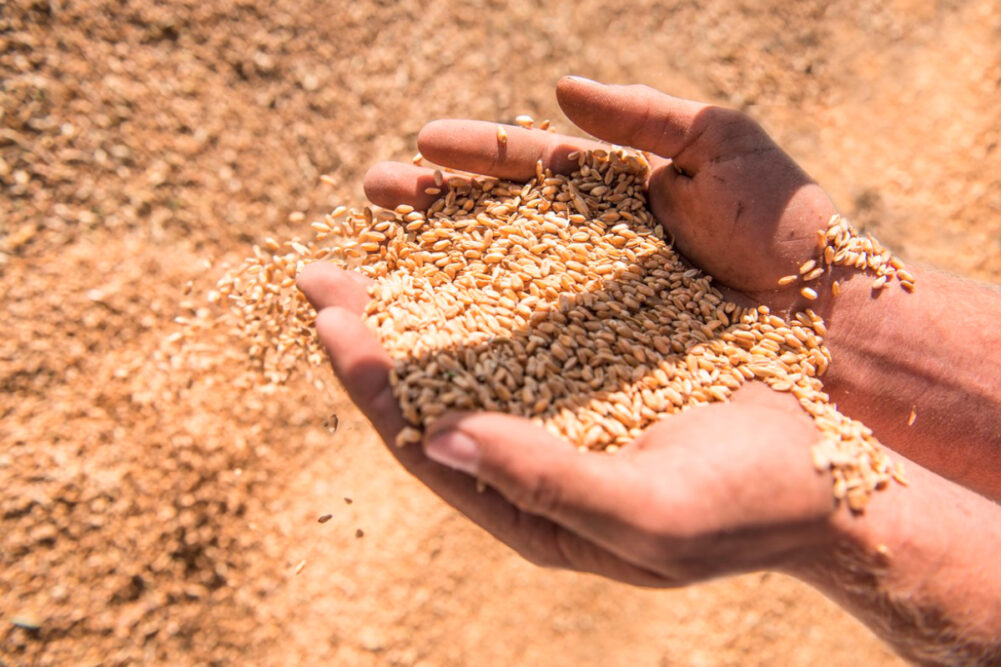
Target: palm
(746, 216)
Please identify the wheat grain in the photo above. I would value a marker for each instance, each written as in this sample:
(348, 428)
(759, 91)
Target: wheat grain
(558, 300)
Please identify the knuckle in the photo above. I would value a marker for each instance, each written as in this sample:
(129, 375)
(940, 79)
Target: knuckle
(541, 495)
(731, 124)
(643, 89)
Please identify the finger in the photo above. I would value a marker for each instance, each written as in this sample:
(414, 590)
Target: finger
(637, 116)
(473, 146)
(592, 495)
(326, 285)
(389, 184)
(667, 191)
(363, 366)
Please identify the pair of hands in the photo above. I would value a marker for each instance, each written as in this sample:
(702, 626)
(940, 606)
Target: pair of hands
(722, 489)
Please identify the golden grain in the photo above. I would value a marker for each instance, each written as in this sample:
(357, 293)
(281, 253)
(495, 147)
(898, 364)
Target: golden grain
(788, 280)
(842, 245)
(814, 274)
(557, 300)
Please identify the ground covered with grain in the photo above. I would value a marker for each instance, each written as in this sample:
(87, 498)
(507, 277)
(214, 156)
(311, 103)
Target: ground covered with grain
(154, 515)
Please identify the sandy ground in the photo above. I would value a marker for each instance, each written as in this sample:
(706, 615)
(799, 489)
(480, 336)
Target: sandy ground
(154, 515)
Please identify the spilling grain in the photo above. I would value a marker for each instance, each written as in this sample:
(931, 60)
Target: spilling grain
(842, 245)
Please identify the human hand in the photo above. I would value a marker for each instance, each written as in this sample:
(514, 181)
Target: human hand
(736, 205)
(718, 489)
(715, 490)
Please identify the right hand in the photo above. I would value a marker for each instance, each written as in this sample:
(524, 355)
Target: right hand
(736, 205)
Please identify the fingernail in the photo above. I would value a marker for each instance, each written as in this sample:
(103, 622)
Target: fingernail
(454, 449)
(584, 80)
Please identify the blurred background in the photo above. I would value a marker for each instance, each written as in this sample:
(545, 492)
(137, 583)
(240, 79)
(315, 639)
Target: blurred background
(154, 516)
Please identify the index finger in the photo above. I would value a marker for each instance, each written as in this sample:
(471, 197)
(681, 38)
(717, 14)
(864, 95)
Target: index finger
(363, 367)
(503, 151)
(639, 116)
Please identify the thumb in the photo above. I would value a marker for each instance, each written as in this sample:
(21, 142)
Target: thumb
(637, 116)
(589, 493)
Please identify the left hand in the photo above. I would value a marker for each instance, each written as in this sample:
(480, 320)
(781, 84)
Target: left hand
(715, 490)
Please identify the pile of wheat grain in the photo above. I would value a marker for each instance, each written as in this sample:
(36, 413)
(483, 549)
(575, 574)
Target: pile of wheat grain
(560, 300)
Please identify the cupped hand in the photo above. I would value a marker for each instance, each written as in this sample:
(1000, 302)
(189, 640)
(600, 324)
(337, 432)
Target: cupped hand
(719, 489)
(735, 204)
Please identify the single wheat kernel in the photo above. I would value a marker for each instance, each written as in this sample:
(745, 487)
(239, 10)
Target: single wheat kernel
(809, 293)
(814, 274)
(788, 280)
(524, 121)
(407, 435)
(501, 135)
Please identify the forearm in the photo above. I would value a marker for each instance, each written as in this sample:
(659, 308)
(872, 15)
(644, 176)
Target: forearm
(923, 370)
(920, 568)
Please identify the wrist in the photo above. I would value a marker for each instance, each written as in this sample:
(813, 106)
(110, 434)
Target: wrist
(918, 568)
(851, 543)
